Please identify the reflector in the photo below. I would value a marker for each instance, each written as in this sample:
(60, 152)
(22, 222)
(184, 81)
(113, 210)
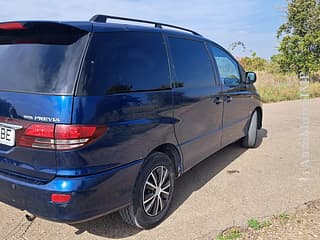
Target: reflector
(60, 198)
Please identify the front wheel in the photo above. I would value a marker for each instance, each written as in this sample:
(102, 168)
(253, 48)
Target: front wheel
(153, 192)
(250, 140)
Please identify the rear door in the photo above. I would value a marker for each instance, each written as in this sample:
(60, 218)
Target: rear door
(197, 100)
(235, 95)
(39, 62)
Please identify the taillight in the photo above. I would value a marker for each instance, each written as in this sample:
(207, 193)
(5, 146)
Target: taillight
(59, 137)
(11, 26)
(40, 130)
(74, 132)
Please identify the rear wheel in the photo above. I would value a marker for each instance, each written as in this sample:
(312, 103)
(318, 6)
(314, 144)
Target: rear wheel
(153, 192)
(250, 140)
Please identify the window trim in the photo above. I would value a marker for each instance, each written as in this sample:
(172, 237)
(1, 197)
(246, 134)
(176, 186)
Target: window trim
(215, 82)
(80, 93)
(214, 65)
(82, 63)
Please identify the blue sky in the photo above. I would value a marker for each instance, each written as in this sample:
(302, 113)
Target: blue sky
(254, 22)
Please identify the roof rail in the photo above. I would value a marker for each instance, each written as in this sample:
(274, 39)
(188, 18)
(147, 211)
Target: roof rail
(104, 19)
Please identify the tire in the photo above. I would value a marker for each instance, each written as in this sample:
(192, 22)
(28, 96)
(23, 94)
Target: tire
(152, 194)
(250, 140)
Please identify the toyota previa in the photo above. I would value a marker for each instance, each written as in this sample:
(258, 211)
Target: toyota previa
(102, 116)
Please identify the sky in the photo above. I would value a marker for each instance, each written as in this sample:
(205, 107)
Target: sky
(253, 22)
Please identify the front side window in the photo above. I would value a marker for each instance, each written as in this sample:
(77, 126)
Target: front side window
(120, 62)
(191, 63)
(227, 66)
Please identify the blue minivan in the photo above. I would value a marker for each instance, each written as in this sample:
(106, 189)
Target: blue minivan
(101, 116)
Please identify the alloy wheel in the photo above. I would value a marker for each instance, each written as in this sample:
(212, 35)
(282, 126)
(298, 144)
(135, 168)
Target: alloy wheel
(156, 191)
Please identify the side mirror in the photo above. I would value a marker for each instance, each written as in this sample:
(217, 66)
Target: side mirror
(251, 77)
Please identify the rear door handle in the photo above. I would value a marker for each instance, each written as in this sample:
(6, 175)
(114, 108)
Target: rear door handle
(227, 99)
(218, 100)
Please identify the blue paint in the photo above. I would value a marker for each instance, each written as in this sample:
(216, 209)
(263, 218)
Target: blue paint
(101, 176)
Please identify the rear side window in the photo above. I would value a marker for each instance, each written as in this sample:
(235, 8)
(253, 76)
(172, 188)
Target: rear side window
(119, 62)
(191, 63)
(227, 66)
(41, 59)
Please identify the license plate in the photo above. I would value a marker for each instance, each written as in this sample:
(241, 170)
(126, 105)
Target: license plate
(7, 136)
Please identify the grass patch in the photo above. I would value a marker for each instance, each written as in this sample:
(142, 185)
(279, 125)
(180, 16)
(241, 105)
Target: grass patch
(283, 87)
(283, 217)
(230, 234)
(314, 90)
(257, 225)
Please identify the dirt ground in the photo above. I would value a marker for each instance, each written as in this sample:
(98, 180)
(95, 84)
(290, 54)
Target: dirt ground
(226, 189)
(302, 224)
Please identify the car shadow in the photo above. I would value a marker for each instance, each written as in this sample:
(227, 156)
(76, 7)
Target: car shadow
(112, 226)
(202, 173)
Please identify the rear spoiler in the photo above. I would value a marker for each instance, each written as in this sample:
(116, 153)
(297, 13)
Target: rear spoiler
(39, 32)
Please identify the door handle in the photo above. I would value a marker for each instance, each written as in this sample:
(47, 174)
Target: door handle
(218, 100)
(227, 99)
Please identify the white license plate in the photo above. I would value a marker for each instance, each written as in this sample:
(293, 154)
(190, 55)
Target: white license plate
(7, 136)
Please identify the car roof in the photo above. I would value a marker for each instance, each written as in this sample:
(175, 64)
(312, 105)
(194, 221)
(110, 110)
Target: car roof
(98, 27)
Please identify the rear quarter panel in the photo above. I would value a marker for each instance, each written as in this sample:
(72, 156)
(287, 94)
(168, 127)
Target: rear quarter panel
(18, 109)
(137, 123)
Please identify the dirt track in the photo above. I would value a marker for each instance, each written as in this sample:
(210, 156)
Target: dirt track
(227, 189)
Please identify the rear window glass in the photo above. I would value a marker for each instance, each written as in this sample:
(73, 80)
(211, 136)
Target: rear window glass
(33, 67)
(119, 62)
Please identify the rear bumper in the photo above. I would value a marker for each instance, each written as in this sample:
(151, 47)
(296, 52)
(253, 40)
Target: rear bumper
(92, 195)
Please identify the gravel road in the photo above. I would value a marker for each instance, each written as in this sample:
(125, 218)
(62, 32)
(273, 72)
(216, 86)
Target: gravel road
(225, 190)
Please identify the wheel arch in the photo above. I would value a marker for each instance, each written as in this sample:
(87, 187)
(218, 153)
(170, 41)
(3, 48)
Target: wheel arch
(174, 154)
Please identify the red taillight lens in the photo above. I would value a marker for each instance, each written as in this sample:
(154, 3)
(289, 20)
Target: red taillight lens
(75, 136)
(40, 130)
(60, 137)
(11, 26)
(74, 132)
(60, 198)
(38, 136)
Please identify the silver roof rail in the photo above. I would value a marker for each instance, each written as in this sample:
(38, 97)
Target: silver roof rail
(104, 19)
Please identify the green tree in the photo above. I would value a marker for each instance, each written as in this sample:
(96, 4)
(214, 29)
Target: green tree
(300, 44)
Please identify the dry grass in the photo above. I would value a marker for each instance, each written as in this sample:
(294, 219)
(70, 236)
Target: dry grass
(280, 87)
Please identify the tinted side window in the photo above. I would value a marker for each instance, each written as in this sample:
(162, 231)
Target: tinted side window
(191, 62)
(123, 62)
(227, 66)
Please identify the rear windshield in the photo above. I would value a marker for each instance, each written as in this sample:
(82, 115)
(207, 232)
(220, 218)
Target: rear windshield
(44, 67)
(124, 62)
